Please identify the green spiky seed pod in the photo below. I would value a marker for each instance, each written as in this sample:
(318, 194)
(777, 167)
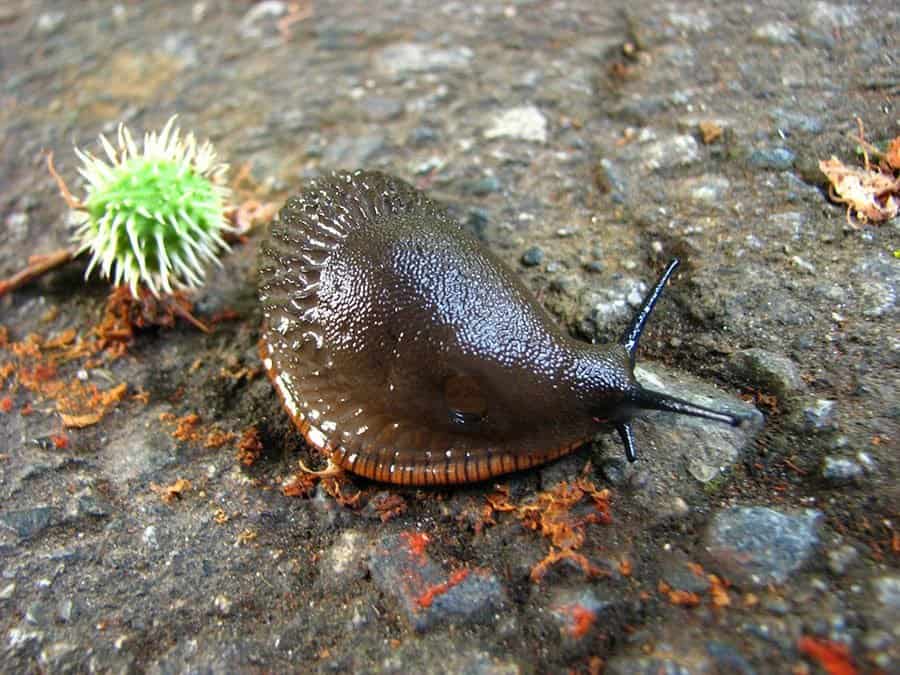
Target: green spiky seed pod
(153, 217)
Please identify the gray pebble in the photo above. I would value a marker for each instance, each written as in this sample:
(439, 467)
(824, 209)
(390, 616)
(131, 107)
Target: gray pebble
(779, 159)
(840, 469)
(26, 523)
(533, 256)
(756, 545)
(481, 186)
(407, 58)
(347, 151)
(841, 558)
(819, 415)
(790, 122)
(775, 33)
(381, 109)
(768, 371)
(668, 153)
(525, 123)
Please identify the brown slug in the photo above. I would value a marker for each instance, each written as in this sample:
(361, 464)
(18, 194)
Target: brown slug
(408, 353)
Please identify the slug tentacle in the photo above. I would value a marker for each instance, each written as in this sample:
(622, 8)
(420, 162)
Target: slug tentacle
(640, 398)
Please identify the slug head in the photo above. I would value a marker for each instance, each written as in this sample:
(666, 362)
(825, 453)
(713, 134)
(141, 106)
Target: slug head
(621, 395)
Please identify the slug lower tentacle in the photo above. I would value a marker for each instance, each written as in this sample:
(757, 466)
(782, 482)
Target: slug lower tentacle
(409, 354)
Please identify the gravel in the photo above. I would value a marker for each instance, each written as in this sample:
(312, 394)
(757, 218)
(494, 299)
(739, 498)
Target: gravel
(580, 131)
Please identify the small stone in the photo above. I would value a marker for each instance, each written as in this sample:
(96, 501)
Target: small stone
(533, 256)
(21, 638)
(381, 109)
(728, 658)
(49, 22)
(428, 594)
(756, 545)
(37, 614)
(407, 58)
(775, 33)
(344, 560)
(887, 593)
(669, 153)
(768, 371)
(223, 605)
(790, 122)
(481, 186)
(26, 523)
(779, 159)
(525, 123)
(346, 151)
(423, 136)
(66, 610)
(578, 616)
(268, 10)
(61, 657)
(877, 297)
(841, 558)
(149, 537)
(646, 665)
(828, 17)
(614, 470)
(7, 592)
(610, 178)
(677, 572)
(706, 189)
(819, 415)
(840, 469)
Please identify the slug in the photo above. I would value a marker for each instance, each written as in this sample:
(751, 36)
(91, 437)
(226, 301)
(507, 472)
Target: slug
(409, 354)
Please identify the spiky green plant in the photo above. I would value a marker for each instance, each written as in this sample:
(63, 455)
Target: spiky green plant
(153, 216)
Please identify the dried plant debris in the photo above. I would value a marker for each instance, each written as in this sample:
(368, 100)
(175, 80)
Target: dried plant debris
(871, 193)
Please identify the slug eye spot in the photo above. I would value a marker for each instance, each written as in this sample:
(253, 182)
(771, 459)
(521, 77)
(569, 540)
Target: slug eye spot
(465, 400)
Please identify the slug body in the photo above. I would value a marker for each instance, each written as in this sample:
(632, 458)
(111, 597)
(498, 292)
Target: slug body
(409, 354)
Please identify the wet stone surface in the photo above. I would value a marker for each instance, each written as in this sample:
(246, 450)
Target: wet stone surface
(585, 144)
(428, 594)
(758, 546)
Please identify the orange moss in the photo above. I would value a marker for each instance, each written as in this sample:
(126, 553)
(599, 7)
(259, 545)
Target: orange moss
(679, 597)
(217, 438)
(169, 493)
(250, 447)
(554, 556)
(719, 591)
(332, 486)
(833, 657)
(388, 506)
(302, 485)
(60, 441)
(186, 429)
(625, 567)
(6, 404)
(432, 592)
(550, 513)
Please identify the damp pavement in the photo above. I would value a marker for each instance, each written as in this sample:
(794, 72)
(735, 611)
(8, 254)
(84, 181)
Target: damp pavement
(586, 144)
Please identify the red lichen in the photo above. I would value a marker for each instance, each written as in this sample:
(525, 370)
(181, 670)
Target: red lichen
(833, 657)
(432, 592)
(60, 441)
(582, 619)
(417, 542)
(6, 404)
